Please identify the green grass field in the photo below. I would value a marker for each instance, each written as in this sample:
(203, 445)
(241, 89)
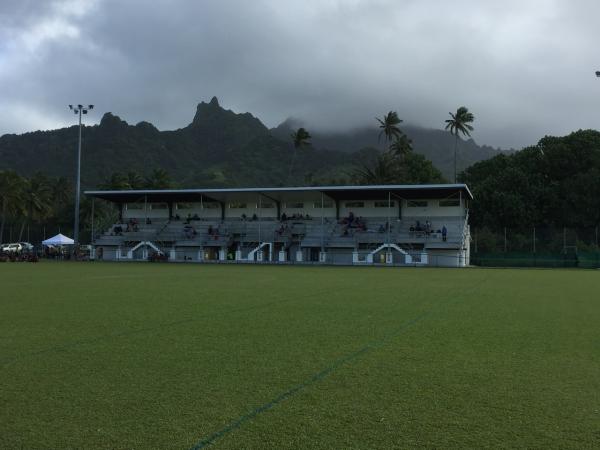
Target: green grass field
(160, 356)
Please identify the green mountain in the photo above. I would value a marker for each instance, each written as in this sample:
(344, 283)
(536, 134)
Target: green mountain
(218, 148)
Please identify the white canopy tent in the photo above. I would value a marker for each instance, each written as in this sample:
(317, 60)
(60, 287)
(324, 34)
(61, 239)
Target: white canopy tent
(59, 239)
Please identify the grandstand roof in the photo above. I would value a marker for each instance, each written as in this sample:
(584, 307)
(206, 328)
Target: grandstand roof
(405, 191)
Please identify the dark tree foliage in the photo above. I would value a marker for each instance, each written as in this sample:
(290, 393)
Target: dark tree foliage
(554, 183)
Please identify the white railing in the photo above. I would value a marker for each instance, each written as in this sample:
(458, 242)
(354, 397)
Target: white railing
(465, 231)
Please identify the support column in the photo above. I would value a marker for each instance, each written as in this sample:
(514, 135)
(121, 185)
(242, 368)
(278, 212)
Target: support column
(322, 257)
(92, 232)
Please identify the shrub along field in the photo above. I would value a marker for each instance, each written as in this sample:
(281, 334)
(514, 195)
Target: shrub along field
(134, 355)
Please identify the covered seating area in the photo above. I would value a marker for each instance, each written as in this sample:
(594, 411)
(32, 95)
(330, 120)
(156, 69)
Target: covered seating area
(315, 224)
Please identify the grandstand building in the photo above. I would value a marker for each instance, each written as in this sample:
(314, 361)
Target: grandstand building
(425, 225)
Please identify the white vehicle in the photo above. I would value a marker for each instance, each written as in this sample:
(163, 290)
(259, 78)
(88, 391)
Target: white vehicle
(26, 246)
(12, 248)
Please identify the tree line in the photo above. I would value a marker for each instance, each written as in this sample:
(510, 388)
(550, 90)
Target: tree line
(42, 203)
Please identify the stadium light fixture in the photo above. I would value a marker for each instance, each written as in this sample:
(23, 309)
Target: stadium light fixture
(79, 110)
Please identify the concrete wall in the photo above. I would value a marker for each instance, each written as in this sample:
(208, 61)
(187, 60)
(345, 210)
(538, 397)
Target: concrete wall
(445, 258)
(153, 211)
(369, 209)
(205, 211)
(433, 209)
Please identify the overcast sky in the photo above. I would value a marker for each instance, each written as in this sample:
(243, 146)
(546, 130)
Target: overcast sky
(525, 68)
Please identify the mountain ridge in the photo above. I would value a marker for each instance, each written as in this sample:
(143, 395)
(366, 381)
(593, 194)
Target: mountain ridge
(219, 147)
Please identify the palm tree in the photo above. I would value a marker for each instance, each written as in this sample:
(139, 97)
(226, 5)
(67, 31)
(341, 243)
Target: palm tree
(300, 139)
(62, 192)
(459, 123)
(37, 196)
(384, 170)
(11, 190)
(401, 146)
(135, 180)
(159, 179)
(117, 181)
(389, 126)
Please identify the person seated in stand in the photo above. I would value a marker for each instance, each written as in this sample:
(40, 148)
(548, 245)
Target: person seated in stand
(210, 230)
(196, 217)
(188, 218)
(187, 231)
(283, 217)
(176, 217)
(254, 217)
(148, 221)
(307, 217)
(418, 226)
(444, 233)
(243, 217)
(350, 218)
(427, 227)
(381, 229)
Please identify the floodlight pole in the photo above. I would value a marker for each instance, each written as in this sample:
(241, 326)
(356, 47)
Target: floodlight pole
(78, 109)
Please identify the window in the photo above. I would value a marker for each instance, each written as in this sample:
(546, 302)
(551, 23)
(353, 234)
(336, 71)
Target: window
(452, 202)
(160, 206)
(237, 205)
(266, 205)
(325, 205)
(298, 205)
(210, 205)
(135, 206)
(354, 204)
(417, 203)
(384, 204)
(183, 206)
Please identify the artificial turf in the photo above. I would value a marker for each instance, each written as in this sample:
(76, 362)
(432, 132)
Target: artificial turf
(159, 356)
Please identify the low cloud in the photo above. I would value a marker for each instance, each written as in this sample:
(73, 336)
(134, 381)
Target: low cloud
(524, 69)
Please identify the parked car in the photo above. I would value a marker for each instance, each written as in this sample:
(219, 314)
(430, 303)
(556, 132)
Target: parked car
(12, 248)
(28, 247)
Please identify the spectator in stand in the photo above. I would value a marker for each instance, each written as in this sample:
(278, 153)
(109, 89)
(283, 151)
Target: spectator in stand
(283, 217)
(444, 233)
(254, 217)
(148, 221)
